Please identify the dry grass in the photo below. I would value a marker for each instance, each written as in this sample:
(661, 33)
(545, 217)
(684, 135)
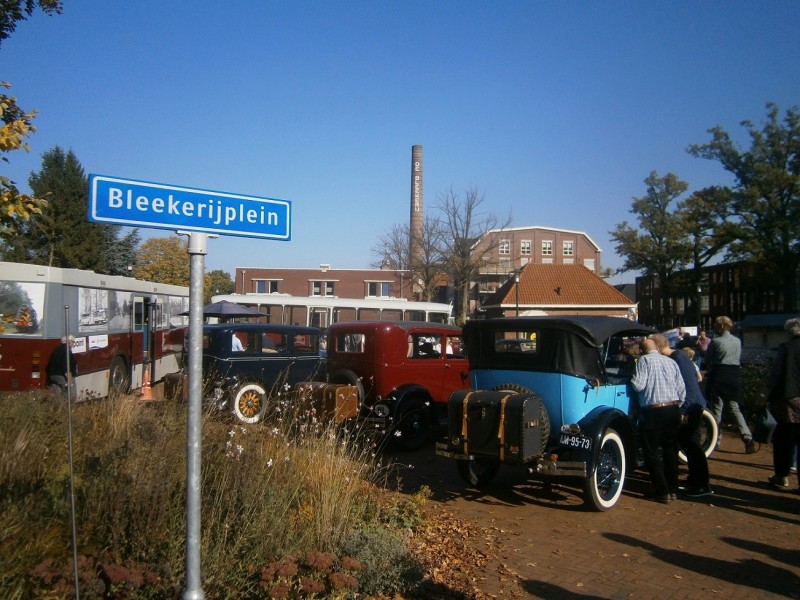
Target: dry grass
(284, 489)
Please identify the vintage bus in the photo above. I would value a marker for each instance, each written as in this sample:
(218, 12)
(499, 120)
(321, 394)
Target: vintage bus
(322, 311)
(125, 329)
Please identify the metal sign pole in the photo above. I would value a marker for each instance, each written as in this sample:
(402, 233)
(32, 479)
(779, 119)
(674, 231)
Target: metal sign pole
(198, 243)
(70, 382)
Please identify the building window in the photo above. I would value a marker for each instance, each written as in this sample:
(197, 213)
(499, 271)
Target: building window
(505, 247)
(266, 286)
(547, 248)
(322, 288)
(569, 248)
(525, 247)
(378, 289)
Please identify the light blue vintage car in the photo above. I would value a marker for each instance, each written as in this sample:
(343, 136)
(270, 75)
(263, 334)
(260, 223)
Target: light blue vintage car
(553, 394)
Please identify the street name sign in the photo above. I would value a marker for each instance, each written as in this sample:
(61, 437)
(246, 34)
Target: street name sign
(162, 206)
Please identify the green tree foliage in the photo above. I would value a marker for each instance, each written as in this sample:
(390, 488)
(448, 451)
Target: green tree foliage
(218, 282)
(660, 245)
(765, 203)
(12, 11)
(121, 252)
(163, 260)
(62, 236)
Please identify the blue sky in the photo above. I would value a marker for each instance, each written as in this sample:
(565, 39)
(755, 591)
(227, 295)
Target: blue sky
(555, 111)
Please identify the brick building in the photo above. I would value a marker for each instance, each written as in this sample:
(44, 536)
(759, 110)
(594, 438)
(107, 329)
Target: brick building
(734, 289)
(505, 251)
(323, 281)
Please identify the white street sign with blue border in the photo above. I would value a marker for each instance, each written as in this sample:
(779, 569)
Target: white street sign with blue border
(162, 206)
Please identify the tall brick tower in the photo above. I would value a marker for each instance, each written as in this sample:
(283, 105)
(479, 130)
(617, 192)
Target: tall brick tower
(415, 225)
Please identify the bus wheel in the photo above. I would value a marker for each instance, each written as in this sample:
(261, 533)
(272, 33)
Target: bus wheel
(119, 382)
(250, 403)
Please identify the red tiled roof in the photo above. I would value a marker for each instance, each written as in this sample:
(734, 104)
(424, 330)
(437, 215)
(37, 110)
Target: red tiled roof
(554, 285)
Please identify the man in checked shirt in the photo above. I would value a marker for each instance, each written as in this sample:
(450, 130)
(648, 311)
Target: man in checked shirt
(661, 393)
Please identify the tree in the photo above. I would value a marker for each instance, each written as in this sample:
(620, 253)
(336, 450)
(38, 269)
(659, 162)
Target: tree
(765, 203)
(16, 207)
(163, 260)
(12, 11)
(218, 282)
(462, 227)
(61, 235)
(393, 251)
(121, 252)
(660, 245)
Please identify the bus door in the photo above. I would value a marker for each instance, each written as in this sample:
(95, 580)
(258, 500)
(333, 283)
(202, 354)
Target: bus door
(144, 320)
(318, 317)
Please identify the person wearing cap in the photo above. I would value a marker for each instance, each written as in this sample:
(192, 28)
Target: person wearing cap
(61, 368)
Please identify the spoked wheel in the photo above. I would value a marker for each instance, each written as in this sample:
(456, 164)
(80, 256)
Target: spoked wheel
(478, 472)
(604, 487)
(708, 434)
(415, 425)
(250, 403)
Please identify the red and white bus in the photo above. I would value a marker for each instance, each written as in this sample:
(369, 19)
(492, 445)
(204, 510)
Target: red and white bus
(120, 324)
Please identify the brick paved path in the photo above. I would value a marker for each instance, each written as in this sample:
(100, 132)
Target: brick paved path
(742, 542)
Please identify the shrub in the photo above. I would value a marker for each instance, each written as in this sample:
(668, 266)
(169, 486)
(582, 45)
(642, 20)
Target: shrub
(290, 487)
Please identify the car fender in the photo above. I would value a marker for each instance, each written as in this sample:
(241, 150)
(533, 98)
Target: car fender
(408, 390)
(594, 426)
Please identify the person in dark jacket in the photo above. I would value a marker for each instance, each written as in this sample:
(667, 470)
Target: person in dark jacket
(784, 404)
(61, 368)
(697, 482)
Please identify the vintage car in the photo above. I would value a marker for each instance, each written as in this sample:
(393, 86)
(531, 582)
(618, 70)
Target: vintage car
(404, 372)
(245, 364)
(553, 394)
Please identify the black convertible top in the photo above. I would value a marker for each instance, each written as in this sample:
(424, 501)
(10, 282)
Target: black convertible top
(566, 344)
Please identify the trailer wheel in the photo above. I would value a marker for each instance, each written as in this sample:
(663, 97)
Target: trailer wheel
(604, 487)
(250, 403)
(478, 472)
(708, 432)
(119, 381)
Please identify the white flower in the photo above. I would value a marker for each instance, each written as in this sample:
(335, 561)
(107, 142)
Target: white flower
(269, 463)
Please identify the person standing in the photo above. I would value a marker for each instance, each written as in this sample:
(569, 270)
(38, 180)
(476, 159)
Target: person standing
(697, 483)
(701, 346)
(61, 368)
(661, 393)
(724, 380)
(784, 394)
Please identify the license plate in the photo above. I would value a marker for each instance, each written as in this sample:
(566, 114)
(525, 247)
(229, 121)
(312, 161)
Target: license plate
(576, 441)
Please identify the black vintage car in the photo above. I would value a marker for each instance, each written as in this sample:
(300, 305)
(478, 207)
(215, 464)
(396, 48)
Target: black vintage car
(552, 394)
(246, 364)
